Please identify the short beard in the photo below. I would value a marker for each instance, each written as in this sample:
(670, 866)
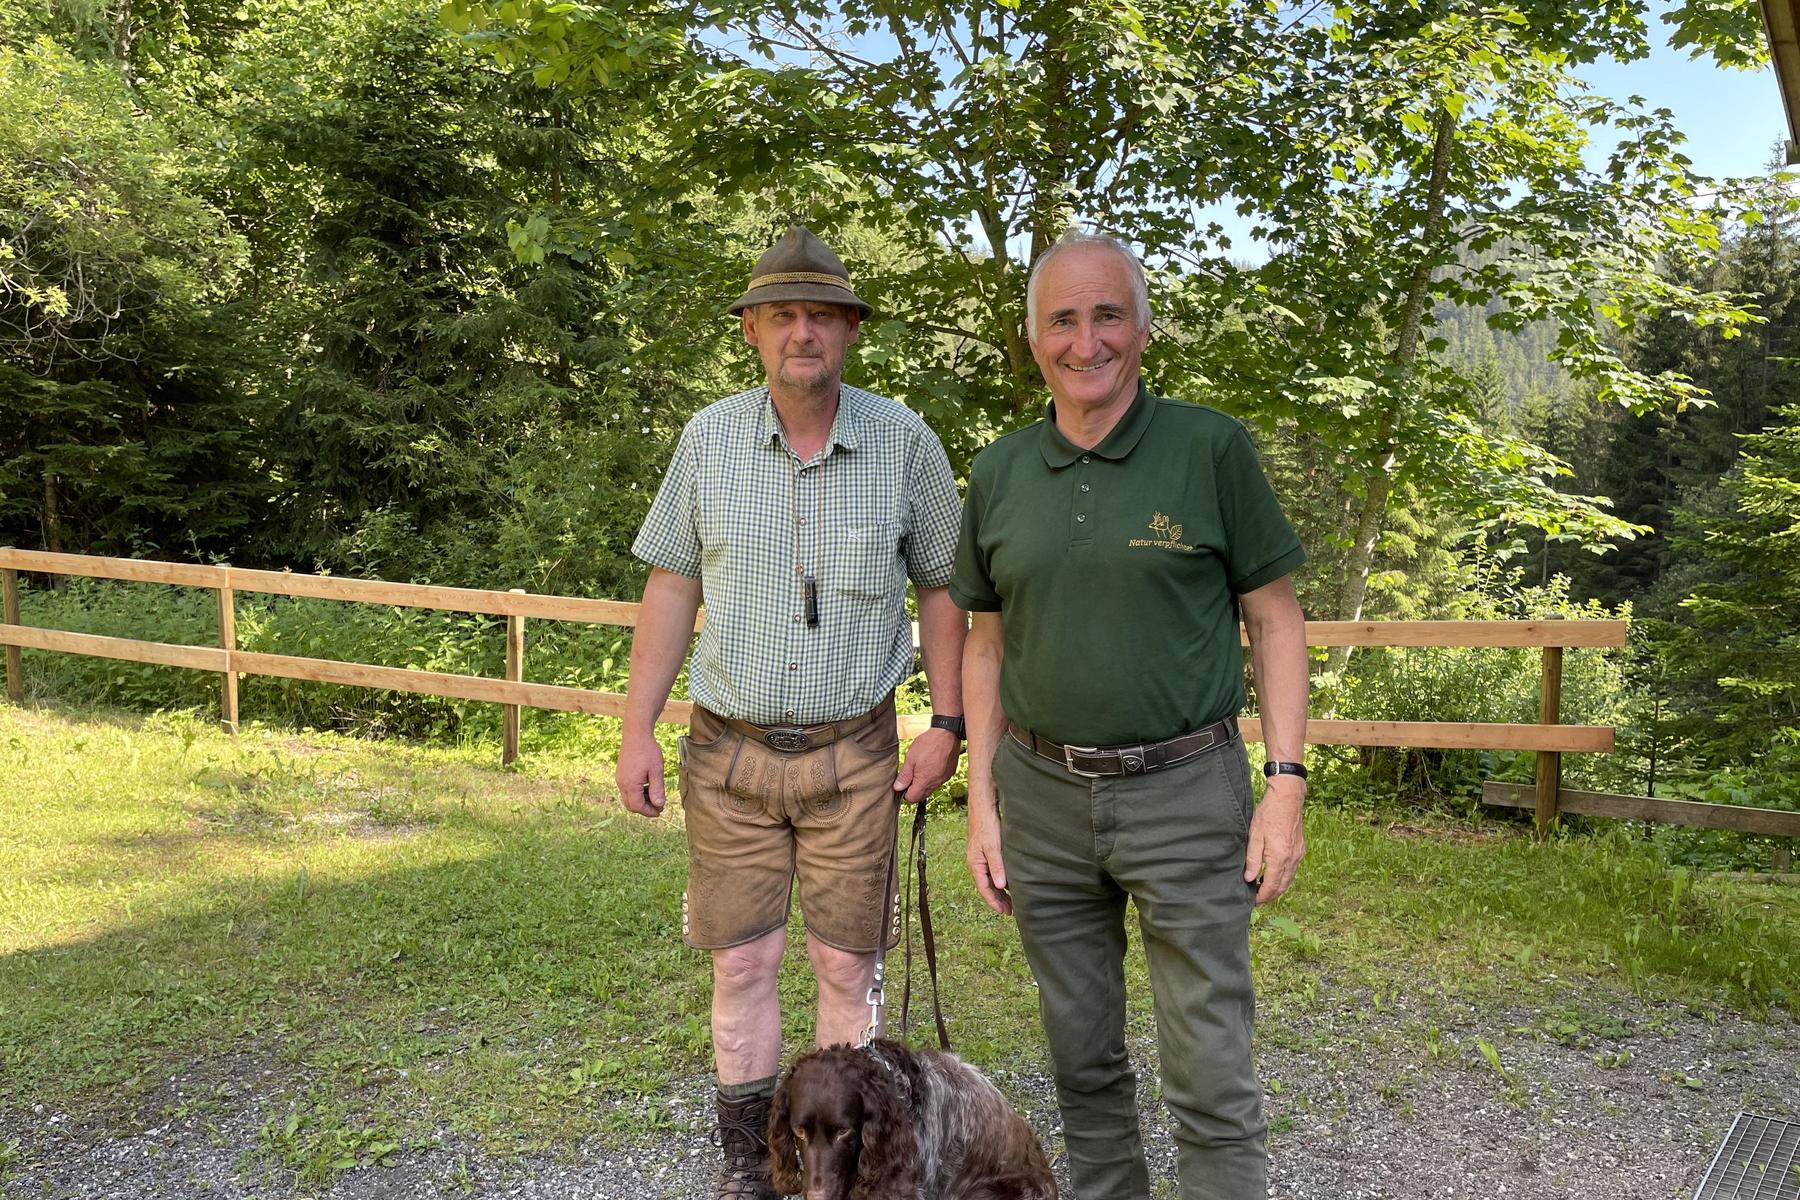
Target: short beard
(816, 387)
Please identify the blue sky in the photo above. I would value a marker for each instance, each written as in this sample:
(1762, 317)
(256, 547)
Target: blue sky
(1731, 118)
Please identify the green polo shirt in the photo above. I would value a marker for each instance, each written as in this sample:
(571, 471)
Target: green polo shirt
(1117, 570)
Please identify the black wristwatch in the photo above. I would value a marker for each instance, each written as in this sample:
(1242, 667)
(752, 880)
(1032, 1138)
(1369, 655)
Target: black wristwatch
(1272, 769)
(955, 725)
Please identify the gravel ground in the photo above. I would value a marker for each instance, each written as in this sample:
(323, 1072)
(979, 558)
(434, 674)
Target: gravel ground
(1368, 1097)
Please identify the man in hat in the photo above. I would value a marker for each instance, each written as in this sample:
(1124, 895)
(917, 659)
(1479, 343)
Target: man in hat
(797, 511)
(1107, 554)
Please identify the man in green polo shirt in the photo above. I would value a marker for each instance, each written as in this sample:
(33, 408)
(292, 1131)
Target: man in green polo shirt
(798, 511)
(1106, 555)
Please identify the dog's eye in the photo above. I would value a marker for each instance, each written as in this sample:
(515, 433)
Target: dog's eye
(842, 1135)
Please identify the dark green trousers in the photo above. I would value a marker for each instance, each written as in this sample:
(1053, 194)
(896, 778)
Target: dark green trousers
(1173, 842)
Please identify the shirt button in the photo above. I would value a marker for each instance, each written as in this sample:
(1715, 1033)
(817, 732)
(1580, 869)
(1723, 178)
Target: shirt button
(790, 713)
(1084, 487)
(1084, 458)
(796, 616)
(1079, 517)
(793, 666)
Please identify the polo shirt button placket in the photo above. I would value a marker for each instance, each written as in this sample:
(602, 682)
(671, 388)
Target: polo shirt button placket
(1083, 489)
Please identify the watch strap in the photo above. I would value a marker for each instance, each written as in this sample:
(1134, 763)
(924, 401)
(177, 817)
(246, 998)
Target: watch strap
(1273, 768)
(956, 725)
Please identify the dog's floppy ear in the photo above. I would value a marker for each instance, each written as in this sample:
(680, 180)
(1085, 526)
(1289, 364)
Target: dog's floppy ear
(889, 1165)
(784, 1156)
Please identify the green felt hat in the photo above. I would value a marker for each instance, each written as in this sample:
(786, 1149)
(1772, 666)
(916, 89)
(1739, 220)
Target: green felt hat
(799, 267)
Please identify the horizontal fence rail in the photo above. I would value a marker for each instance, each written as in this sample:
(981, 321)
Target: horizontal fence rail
(1770, 822)
(1549, 738)
(1466, 635)
(329, 587)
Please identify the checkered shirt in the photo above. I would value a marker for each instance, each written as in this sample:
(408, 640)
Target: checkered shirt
(875, 506)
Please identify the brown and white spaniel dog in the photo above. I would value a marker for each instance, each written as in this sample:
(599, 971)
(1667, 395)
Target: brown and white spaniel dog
(890, 1123)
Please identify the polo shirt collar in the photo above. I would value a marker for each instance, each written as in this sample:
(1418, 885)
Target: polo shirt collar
(846, 425)
(1059, 451)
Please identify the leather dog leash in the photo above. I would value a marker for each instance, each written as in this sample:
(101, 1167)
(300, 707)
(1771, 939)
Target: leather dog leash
(937, 1011)
(877, 993)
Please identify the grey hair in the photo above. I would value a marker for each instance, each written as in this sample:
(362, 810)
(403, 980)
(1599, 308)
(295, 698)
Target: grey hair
(1140, 286)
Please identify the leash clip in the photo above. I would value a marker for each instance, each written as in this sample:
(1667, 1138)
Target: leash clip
(876, 1001)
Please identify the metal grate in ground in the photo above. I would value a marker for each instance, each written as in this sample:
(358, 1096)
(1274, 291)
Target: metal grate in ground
(1760, 1160)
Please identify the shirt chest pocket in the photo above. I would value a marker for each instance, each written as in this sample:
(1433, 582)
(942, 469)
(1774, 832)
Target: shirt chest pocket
(863, 558)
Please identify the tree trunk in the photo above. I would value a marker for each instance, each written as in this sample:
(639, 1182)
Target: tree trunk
(124, 39)
(1050, 209)
(1008, 301)
(1048, 215)
(53, 525)
(1353, 587)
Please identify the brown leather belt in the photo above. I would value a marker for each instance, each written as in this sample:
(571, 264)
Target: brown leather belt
(791, 739)
(1093, 762)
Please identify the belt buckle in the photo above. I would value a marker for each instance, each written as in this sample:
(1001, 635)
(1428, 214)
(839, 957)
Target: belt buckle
(787, 738)
(1069, 753)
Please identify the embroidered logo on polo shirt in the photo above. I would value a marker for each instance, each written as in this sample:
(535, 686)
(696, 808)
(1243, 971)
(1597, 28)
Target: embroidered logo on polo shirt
(1168, 535)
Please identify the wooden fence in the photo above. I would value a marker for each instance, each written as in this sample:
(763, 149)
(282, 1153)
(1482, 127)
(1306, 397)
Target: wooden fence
(1549, 738)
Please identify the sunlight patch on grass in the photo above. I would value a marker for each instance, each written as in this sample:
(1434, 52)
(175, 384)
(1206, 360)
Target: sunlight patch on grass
(413, 937)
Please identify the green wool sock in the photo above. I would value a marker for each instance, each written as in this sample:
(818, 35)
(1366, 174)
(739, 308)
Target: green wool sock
(755, 1087)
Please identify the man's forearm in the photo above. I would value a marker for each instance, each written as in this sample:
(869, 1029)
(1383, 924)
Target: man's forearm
(1281, 690)
(942, 632)
(658, 646)
(1277, 632)
(981, 700)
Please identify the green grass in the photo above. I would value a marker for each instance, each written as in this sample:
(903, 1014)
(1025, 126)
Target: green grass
(408, 936)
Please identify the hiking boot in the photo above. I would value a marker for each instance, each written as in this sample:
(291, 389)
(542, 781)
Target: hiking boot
(743, 1136)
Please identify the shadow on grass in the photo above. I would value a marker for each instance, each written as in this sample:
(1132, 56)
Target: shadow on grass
(499, 947)
(506, 969)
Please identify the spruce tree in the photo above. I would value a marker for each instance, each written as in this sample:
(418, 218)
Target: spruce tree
(1737, 643)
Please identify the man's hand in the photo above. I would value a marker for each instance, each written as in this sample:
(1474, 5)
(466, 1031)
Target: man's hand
(640, 775)
(930, 760)
(1277, 843)
(984, 854)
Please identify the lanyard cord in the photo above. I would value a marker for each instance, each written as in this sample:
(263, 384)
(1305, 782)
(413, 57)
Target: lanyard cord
(809, 584)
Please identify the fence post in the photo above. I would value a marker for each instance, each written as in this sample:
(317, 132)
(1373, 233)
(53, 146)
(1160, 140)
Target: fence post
(1549, 762)
(15, 666)
(515, 671)
(228, 683)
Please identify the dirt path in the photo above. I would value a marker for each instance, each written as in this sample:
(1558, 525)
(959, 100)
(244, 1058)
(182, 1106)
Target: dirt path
(1376, 1099)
